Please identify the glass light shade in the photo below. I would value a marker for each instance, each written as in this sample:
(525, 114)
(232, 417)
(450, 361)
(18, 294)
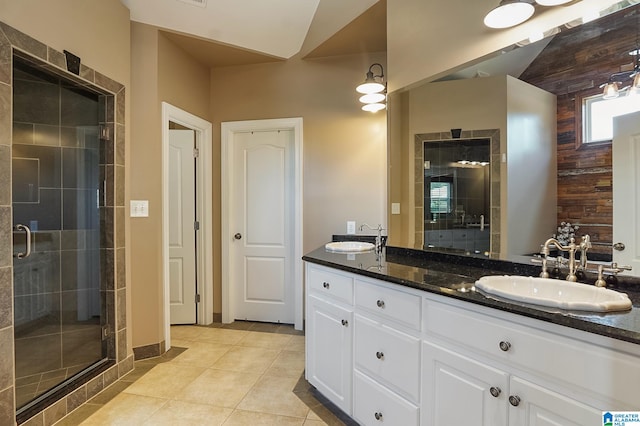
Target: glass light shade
(552, 2)
(636, 81)
(611, 91)
(372, 98)
(370, 86)
(373, 107)
(509, 13)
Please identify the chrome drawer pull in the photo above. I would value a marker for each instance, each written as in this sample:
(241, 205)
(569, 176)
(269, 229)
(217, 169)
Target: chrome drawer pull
(378, 416)
(345, 323)
(505, 346)
(380, 303)
(514, 400)
(325, 285)
(495, 392)
(379, 355)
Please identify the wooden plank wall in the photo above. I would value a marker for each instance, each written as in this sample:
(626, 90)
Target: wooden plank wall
(574, 64)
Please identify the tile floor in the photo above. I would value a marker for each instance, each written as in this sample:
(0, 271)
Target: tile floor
(238, 374)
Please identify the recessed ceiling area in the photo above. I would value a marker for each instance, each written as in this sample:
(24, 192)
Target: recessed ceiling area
(222, 33)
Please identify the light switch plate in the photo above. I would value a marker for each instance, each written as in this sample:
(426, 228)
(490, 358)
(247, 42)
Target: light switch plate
(351, 227)
(139, 208)
(395, 208)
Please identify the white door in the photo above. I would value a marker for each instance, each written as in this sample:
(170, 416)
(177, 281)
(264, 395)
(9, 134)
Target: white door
(182, 234)
(262, 225)
(626, 191)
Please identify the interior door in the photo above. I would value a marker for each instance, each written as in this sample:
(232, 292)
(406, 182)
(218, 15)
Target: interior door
(262, 226)
(626, 191)
(182, 230)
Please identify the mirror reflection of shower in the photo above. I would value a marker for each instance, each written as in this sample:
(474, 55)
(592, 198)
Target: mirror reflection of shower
(457, 195)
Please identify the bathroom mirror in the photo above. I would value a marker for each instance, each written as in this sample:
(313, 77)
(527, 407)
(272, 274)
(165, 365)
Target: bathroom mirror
(585, 169)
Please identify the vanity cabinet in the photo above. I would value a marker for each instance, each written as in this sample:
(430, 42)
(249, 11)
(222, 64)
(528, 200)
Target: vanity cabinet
(386, 355)
(518, 374)
(329, 335)
(412, 357)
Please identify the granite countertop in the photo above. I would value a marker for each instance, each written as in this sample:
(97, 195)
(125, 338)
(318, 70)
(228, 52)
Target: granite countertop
(448, 274)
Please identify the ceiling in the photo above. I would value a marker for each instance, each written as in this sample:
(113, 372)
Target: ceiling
(239, 32)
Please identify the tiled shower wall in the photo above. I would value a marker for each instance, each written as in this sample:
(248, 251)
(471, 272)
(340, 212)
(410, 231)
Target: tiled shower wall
(112, 217)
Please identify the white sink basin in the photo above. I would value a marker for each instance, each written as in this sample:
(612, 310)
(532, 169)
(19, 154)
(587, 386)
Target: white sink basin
(554, 293)
(349, 246)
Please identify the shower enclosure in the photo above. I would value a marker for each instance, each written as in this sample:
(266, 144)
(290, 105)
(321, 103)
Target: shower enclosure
(57, 195)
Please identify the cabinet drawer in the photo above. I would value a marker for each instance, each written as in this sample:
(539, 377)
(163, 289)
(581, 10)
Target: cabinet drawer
(596, 369)
(389, 356)
(376, 405)
(328, 283)
(403, 308)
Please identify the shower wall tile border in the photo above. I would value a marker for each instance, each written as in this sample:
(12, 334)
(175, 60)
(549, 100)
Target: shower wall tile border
(13, 41)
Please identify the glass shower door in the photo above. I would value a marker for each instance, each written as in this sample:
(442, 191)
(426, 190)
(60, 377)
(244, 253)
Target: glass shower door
(57, 232)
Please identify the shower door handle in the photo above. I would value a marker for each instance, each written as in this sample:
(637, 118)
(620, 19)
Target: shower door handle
(27, 251)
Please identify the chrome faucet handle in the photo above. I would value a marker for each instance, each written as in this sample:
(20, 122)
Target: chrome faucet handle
(572, 260)
(600, 282)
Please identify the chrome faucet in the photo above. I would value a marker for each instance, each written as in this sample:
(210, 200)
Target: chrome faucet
(379, 229)
(584, 265)
(571, 249)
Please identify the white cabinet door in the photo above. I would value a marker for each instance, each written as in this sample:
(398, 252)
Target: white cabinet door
(329, 365)
(538, 406)
(461, 391)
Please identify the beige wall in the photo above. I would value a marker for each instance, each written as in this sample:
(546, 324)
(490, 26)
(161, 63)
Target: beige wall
(160, 72)
(421, 48)
(344, 147)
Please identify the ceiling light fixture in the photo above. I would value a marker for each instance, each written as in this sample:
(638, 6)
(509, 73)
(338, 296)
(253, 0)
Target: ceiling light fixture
(374, 90)
(509, 13)
(611, 89)
(552, 2)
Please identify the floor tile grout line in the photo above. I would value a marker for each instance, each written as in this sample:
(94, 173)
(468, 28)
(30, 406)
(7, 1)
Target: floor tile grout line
(281, 348)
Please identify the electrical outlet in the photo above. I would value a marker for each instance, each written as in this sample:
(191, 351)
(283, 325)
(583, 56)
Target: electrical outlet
(351, 227)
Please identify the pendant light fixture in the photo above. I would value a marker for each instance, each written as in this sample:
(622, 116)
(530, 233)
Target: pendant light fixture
(611, 90)
(509, 13)
(374, 90)
(552, 2)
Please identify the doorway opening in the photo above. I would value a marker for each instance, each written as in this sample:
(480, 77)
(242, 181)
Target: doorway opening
(199, 222)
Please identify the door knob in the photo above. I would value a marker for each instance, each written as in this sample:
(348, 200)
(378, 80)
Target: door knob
(619, 246)
(238, 236)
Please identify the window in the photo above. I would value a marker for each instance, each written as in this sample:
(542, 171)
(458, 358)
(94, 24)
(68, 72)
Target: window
(440, 194)
(598, 115)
